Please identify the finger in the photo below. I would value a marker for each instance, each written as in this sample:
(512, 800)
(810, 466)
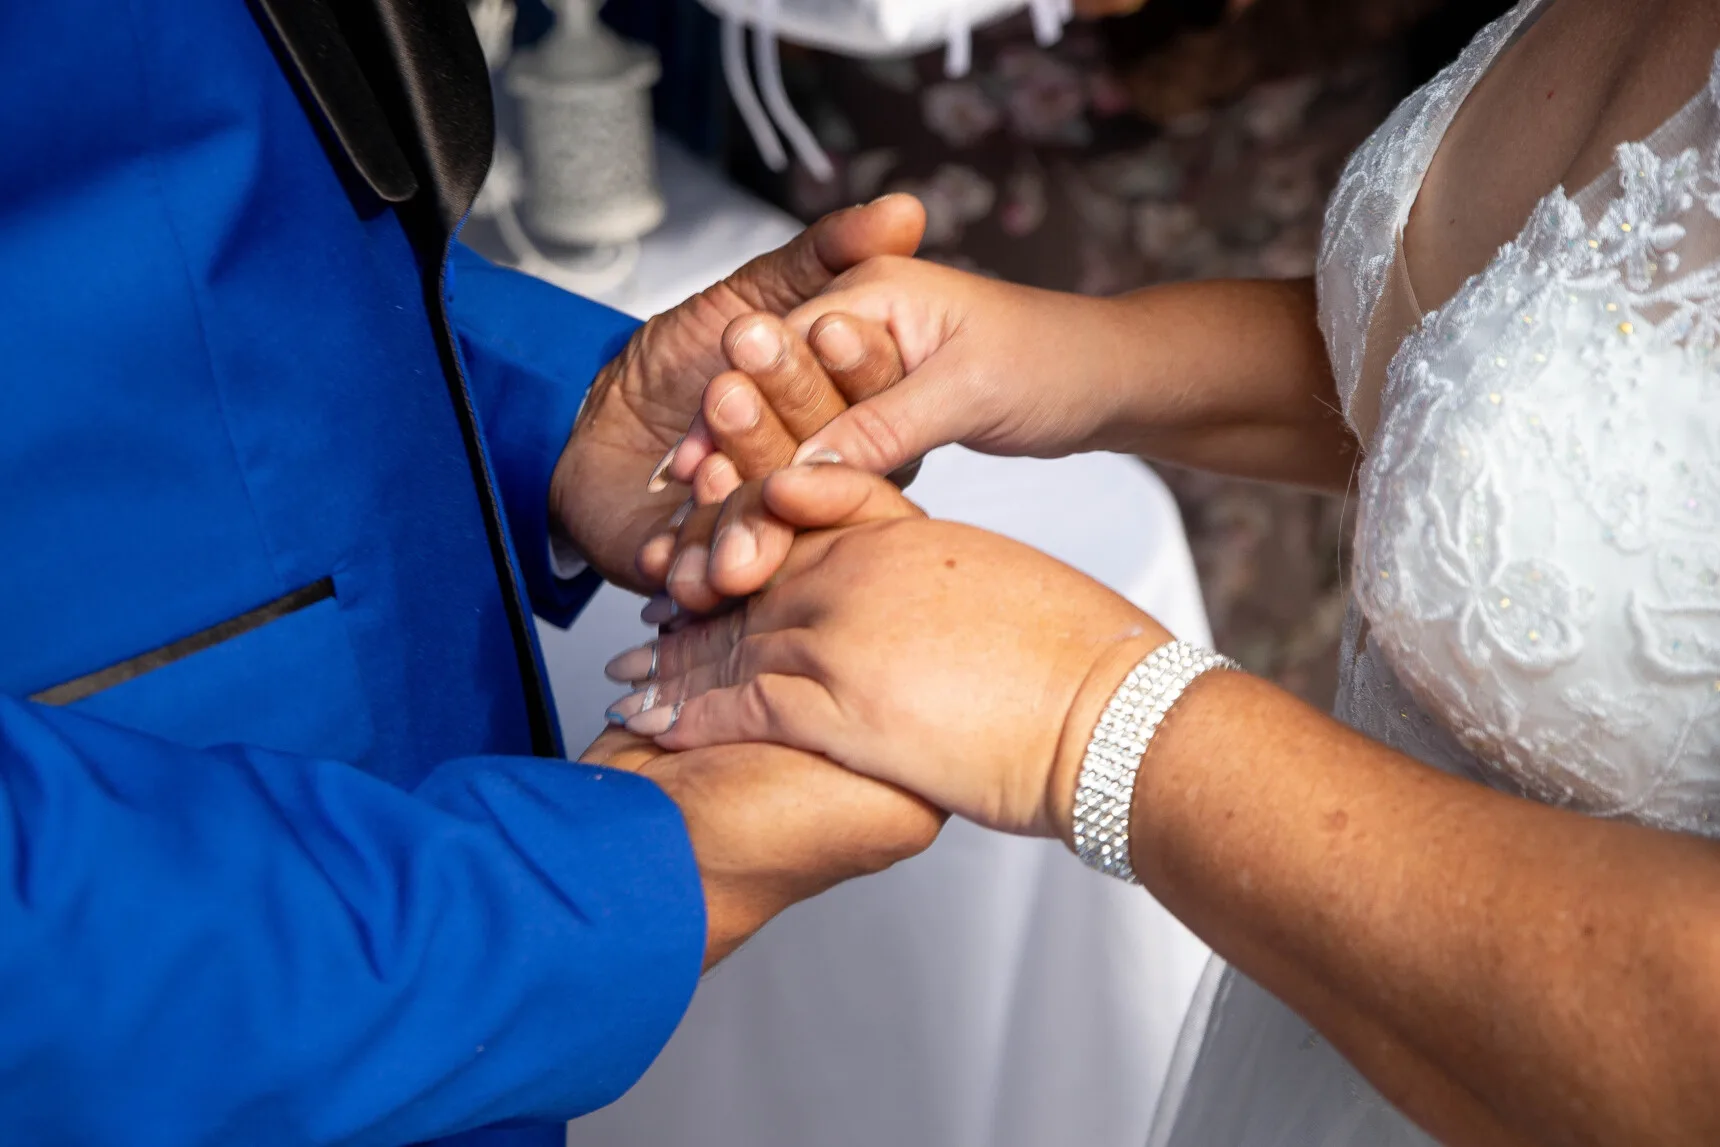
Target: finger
(783, 709)
(686, 582)
(787, 373)
(748, 545)
(704, 642)
(829, 497)
(616, 748)
(863, 360)
(725, 656)
(749, 420)
(654, 558)
(717, 478)
(859, 356)
(785, 278)
(709, 641)
(695, 446)
(655, 555)
(893, 429)
(656, 705)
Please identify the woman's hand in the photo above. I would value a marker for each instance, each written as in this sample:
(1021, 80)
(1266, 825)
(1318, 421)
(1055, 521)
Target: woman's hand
(964, 667)
(1225, 376)
(1001, 368)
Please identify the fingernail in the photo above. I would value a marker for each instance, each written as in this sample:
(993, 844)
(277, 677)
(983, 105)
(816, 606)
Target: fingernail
(656, 721)
(659, 610)
(680, 515)
(630, 706)
(635, 665)
(737, 410)
(838, 345)
(809, 455)
(720, 480)
(736, 547)
(659, 480)
(689, 568)
(758, 348)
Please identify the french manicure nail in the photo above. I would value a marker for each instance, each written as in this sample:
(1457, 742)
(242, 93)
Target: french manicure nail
(630, 706)
(736, 546)
(634, 665)
(659, 480)
(817, 456)
(655, 722)
(659, 610)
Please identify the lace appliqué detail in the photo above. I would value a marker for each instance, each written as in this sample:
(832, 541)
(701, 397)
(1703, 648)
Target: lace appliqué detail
(1536, 598)
(1539, 547)
(1374, 194)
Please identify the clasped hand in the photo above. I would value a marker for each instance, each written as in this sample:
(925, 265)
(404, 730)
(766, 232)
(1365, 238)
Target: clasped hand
(957, 664)
(826, 639)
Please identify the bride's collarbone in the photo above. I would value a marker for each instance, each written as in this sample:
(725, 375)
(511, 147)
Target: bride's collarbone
(1587, 76)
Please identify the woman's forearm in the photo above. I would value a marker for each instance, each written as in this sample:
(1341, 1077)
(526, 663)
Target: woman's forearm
(1562, 970)
(1228, 376)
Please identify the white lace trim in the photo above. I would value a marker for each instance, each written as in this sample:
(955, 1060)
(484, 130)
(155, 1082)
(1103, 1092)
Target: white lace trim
(1376, 192)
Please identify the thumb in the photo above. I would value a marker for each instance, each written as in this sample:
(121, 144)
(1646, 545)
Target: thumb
(834, 497)
(781, 280)
(893, 428)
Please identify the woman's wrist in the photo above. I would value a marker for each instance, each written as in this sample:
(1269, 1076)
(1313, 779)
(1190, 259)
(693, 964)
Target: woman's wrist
(1228, 376)
(1106, 671)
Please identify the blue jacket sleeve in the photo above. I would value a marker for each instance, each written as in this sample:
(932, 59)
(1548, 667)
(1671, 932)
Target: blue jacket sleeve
(236, 946)
(531, 351)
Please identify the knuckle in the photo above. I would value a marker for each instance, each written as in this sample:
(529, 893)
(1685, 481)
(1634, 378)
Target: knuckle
(756, 706)
(876, 435)
(741, 666)
(800, 386)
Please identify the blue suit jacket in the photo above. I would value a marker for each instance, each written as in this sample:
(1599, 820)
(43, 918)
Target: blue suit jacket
(277, 864)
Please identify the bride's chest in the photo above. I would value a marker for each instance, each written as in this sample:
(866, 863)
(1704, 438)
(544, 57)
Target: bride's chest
(1538, 550)
(1538, 547)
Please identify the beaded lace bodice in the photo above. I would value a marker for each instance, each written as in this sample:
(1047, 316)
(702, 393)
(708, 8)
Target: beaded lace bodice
(1537, 580)
(1536, 594)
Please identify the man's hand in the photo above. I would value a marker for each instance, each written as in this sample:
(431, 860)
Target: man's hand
(645, 399)
(772, 827)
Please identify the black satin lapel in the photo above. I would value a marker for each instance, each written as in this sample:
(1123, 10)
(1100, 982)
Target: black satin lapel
(314, 44)
(445, 83)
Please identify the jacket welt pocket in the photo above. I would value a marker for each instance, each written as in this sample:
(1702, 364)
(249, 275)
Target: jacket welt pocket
(80, 688)
(283, 676)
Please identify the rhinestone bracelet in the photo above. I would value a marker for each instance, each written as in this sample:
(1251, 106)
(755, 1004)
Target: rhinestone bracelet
(1106, 790)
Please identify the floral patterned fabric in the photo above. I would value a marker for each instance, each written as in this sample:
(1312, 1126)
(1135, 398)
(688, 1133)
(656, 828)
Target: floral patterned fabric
(1038, 167)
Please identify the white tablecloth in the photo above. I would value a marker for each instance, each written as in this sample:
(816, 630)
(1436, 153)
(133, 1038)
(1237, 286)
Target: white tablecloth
(991, 993)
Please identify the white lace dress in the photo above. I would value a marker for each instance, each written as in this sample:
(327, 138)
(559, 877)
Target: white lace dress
(1536, 597)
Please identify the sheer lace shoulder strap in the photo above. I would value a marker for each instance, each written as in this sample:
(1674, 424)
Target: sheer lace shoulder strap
(1375, 193)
